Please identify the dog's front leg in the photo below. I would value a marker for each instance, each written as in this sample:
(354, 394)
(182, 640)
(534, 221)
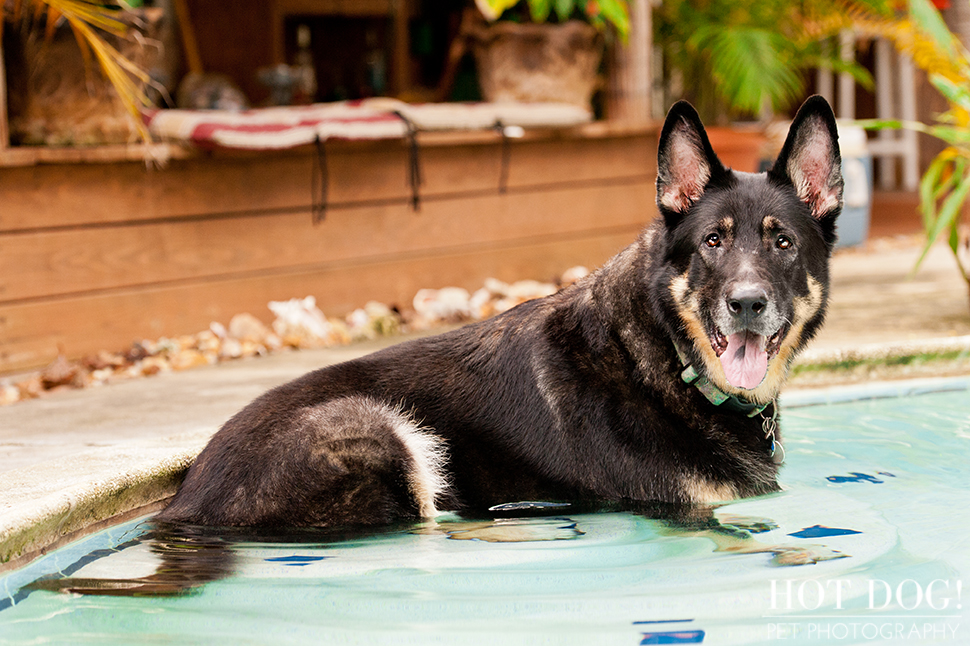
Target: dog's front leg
(735, 534)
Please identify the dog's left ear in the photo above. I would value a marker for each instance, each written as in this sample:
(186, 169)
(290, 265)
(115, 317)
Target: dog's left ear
(811, 162)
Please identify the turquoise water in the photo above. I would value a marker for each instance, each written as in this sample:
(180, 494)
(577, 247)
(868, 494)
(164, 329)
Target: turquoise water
(882, 483)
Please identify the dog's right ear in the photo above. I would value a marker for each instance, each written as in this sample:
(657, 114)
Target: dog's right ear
(686, 163)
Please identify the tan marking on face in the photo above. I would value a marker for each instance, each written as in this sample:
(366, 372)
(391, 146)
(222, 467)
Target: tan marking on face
(769, 223)
(688, 309)
(805, 309)
(699, 489)
(678, 289)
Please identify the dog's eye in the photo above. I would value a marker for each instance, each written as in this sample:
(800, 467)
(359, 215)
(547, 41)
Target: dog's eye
(784, 242)
(713, 240)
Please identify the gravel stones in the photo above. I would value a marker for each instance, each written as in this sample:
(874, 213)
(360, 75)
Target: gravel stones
(297, 323)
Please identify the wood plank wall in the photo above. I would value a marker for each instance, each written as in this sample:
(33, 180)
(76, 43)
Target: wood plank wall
(94, 256)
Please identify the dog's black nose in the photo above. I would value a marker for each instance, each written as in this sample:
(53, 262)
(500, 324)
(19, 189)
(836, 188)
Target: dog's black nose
(747, 302)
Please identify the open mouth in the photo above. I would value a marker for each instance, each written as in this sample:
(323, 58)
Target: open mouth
(744, 355)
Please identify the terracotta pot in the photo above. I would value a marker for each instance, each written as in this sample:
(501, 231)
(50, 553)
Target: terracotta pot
(738, 148)
(528, 62)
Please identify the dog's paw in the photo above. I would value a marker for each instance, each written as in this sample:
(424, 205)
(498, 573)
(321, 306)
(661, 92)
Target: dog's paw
(750, 524)
(508, 530)
(788, 555)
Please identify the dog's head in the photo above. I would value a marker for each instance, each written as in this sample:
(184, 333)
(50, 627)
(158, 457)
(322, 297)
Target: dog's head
(745, 256)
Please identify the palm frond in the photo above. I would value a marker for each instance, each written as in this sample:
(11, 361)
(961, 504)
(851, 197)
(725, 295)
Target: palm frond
(910, 38)
(943, 212)
(599, 13)
(750, 65)
(86, 19)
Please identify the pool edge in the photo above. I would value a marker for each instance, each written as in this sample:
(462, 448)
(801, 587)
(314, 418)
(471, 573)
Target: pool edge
(841, 394)
(54, 502)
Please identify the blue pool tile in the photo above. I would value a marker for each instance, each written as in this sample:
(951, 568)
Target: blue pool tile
(818, 531)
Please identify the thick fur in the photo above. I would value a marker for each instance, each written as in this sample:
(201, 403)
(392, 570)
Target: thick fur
(575, 397)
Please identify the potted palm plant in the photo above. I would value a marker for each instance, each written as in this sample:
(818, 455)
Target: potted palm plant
(103, 34)
(746, 60)
(540, 50)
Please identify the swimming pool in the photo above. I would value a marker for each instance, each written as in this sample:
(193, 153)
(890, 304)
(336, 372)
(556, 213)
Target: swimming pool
(881, 481)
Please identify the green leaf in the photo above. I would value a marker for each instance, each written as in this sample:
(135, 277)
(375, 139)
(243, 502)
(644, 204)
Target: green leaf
(955, 236)
(860, 74)
(929, 191)
(615, 12)
(540, 9)
(953, 135)
(928, 19)
(879, 124)
(954, 93)
(946, 217)
(957, 167)
(564, 9)
(958, 171)
(493, 9)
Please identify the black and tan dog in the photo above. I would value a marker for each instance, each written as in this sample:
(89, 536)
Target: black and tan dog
(654, 379)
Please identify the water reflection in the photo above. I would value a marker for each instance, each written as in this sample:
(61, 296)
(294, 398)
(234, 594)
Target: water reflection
(189, 556)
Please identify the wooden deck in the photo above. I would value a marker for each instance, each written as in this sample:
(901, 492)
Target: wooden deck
(96, 255)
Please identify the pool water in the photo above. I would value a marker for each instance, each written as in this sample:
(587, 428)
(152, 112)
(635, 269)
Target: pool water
(879, 486)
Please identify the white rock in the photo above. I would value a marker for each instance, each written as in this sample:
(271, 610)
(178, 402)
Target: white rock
(300, 318)
(445, 304)
(246, 327)
(496, 286)
(525, 290)
(9, 394)
(481, 304)
(218, 329)
(574, 274)
(231, 349)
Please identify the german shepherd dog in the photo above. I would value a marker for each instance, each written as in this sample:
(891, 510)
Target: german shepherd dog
(652, 380)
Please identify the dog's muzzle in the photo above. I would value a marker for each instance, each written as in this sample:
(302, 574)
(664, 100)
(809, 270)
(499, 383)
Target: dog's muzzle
(747, 335)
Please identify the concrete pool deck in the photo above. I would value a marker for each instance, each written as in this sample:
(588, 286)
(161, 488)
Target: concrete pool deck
(73, 461)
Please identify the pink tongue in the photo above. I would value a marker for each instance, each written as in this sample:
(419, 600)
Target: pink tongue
(745, 361)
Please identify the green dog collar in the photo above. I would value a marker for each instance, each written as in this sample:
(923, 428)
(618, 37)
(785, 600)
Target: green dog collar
(714, 394)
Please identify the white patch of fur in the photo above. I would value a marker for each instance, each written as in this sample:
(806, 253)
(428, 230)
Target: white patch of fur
(701, 490)
(546, 389)
(648, 237)
(359, 415)
(426, 478)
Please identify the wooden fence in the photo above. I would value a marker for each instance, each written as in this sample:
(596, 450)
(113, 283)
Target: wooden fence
(96, 255)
